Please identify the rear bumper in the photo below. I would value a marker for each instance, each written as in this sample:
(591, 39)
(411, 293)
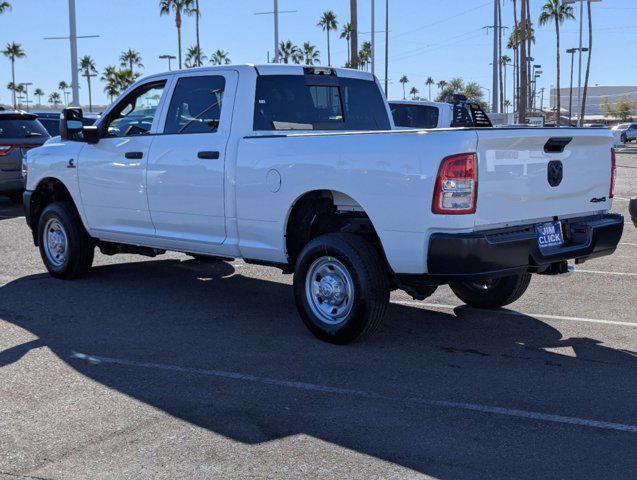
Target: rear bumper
(502, 252)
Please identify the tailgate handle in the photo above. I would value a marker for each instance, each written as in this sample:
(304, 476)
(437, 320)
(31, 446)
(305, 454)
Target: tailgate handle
(556, 144)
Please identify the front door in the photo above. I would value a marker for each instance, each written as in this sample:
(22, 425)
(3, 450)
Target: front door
(112, 172)
(186, 162)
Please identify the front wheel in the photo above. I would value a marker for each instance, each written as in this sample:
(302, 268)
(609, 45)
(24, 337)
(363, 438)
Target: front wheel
(65, 247)
(340, 287)
(492, 293)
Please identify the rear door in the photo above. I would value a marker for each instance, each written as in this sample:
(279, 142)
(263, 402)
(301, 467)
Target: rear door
(531, 174)
(187, 161)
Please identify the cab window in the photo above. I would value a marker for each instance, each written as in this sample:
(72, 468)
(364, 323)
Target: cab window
(134, 115)
(196, 105)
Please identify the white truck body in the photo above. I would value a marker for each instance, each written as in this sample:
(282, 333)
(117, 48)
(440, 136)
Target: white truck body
(239, 204)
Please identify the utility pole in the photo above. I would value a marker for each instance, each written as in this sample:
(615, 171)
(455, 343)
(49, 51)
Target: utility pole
(72, 38)
(275, 13)
(386, 48)
(496, 31)
(579, 76)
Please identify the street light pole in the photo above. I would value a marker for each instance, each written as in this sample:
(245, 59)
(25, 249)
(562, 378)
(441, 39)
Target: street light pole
(75, 98)
(579, 76)
(26, 92)
(386, 48)
(169, 58)
(373, 37)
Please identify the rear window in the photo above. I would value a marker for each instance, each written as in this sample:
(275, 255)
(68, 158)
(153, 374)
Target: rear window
(21, 128)
(318, 102)
(415, 116)
(52, 125)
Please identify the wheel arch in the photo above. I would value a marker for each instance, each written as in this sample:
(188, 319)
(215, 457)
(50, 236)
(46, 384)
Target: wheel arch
(47, 191)
(321, 211)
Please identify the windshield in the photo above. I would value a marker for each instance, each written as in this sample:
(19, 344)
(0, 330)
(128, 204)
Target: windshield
(14, 128)
(318, 102)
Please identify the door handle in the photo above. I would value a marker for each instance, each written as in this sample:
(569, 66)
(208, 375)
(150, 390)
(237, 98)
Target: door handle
(134, 155)
(208, 155)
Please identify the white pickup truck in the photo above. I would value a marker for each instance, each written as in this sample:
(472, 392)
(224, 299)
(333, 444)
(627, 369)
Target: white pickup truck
(299, 167)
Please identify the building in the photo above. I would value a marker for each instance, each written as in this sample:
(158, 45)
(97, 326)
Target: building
(596, 96)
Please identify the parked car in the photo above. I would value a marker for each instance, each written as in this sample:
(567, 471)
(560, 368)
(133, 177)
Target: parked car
(630, 134)
(297, 167)
(51, 121)
(632, 208)
(620, 130)
(19, 132)
(422, 114)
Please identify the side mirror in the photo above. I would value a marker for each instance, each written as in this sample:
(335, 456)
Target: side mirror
(71, 123)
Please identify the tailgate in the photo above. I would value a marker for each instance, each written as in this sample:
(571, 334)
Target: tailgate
(519, 174)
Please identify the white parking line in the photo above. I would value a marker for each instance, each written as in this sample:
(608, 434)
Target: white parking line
(626, 243)
(511, 312)
(584, 422)
(577, 270)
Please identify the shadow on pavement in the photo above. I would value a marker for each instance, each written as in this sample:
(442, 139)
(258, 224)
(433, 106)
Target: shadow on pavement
(8, 209)
(207, 317)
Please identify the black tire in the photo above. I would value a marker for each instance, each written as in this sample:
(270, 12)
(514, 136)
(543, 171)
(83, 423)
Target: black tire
(369, 284)
(80, 248)
(494, 293)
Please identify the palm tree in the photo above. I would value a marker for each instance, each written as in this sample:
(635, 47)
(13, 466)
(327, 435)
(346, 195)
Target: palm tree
(289, 52)
(505, 60)
(220, 57)
(19, 89)
(194, 57)
(558, 12)
(404, 80)
(63, 86)
(413, 92)
(441, 84)
(328, 22)
(4, 7)
(87, 67)
(311, 54)
(108, 77)
(12, 51)
(429, 82)
(197, 12)
(588, 61)
(38, 92)
(54, 98)
(179, 7)
(130, 58)
(11, 86)
(365, 55)
(507, 104)
(346, 33)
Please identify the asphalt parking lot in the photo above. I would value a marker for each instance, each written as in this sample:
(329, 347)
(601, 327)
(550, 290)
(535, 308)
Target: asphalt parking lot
(173, 368)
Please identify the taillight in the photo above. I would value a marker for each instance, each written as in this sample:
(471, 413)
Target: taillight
(5, 150)
(613, 169)
(456, 188)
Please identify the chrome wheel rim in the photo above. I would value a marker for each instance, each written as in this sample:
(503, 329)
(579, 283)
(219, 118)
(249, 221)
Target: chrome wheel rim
(56, 243)
(329, 290)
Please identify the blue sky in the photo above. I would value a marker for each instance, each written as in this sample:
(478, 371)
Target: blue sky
(427, 37)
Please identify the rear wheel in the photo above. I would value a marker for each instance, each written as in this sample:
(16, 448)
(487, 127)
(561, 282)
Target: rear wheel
(492, 293)
(340, 287)
(65, 247)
